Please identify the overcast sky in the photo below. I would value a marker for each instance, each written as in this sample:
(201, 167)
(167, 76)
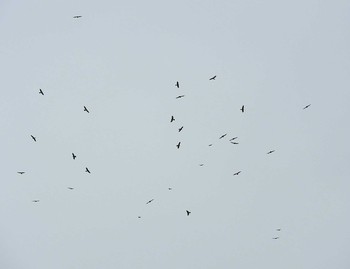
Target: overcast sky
(121, 60)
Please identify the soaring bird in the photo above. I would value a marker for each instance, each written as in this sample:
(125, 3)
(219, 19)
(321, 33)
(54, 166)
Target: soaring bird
(172, 119)
(279, 229)
(237, 173)
(70, 188)
(35, 201)
(213, 78)
(210, 145)
(41, 92)
(180, 129)
(180, 96)
(139, 217)
(275, 237)
(21, 173)
(87, 170)
(201, 164)
(271, 151)
(233, 138)
(77, 17)
(85, 109)
(188, 212)
(242, 109)
(170, 189)
(149, 201)
(178, 145)
(177, 84)
(33, 138)
(222, 136)
(307, 106)
(234, 143)
(74, 156)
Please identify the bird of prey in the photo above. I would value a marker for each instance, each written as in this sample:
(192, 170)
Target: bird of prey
(149, 201)
(222, 136)
(180, 129)
(177, 84)
(70, 188)
(242, 109)
(180, 96)
(275, 237)
(237, 173)
(74, 156)
(178, 145)
(85, 109)
(21, 173)
(213, 78)
(271, 151)
(233, 138)
(234, 143)
(77, 17)
(35, 201)
(33, 138)
(188, 212)
(41, 92)
(87, 170)
(307, 106)
(172, 119)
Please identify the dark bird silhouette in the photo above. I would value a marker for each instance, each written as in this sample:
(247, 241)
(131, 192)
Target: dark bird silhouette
(33, 138)
(77, 17)
(242, 109)
(213, 78)
(233, 138)
(178, 145)
(85, 109)
(70, 188)
(275, 237)
(170, 189)
(271, 151)
(74, 156)
(222, 136)
(87, 170)
(234, 143)
(21, 173)
(149, 201)
(35, 201)
(201, 164)
(210, 145)
(177, 84)
(139, 217)
(180, 96)
(172, 119)
(180, 129)
(41, 92)
(237, 173)
(279, 229)
(188, 212)
(307, 106)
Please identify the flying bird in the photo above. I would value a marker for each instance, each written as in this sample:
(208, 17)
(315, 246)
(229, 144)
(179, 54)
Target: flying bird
(41, 92)
(275, 237)
(177, 84)
(85, 109)
(213, 78)
(35, 201)
(178, 145)
(33, 138)
(279, 229)
(201, 164)
(237, 173)
(180, 96)
(233, 138)
(210, 145)
(77, 17)
(172, 119)
(149, 201)
(180, 129)
(271, 151)
(188, 212)
(170, 189)
(234, 143)
(87, 170)
(139, 217)
(70, 188)
(74, 156)
(242, 109)
(222, 136)
(21, 173)
(307, 106)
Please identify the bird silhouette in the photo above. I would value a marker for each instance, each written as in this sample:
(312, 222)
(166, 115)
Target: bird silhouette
(188, 212)
(74, 156)
(180, 96)
(177, 84)
(213, 78)
(170, 189)
(21, 173)
(180, 129)
(307, 106)
(234, 143)
(85, 109)
(237, 173)
(222, 136)
(70, 188)
(77, 17)
(172, 119)
(242, 109)
(233, 138)
(201, 164)
(35, 201)
(271, 151)
(178, 145)
(33, 138)
(275, 237)
(139, 217)
(210, 145)
(149, 201)
(41, 92)
(87, 170)
(279, 229)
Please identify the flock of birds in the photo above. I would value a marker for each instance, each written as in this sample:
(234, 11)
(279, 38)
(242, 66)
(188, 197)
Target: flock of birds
(172, 119)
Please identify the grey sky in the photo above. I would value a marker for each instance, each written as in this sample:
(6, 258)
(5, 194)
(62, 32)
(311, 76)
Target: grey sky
(121, 60)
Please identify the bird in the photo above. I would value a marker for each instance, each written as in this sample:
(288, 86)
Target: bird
(33, 138)
(237, 173)
(213, 78)
(172, 119)
(178, 145)
(77, 17)
(210, 145)
(87, 170)
(41, 92)
(70, 188)
(177, 84)
(74, 156)
(35, 201)
(170, 189)
(85, 109)
(180, 129)
(222, 136)
(235, 143)
(233, 138)
(180, 96)
(275, 237)
(188, 212)
(279, 229)
(307, 106)
(242, 109)
(149, 201)
(271, 151)
(21, 173)
(139, 217)
(201, 164)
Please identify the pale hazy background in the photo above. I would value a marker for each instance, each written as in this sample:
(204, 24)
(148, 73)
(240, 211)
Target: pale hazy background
(122, 60)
